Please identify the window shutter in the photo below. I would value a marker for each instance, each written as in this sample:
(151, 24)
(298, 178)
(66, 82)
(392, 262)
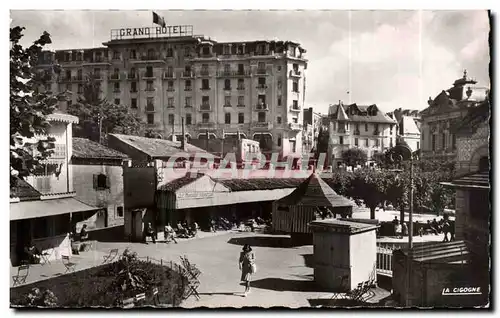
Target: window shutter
(95, 181)
(108, 182)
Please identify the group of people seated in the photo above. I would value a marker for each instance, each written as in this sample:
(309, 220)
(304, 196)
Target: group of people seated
(170, 234)
(186, 231)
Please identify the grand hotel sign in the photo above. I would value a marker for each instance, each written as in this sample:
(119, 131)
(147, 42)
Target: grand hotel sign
(152, 32)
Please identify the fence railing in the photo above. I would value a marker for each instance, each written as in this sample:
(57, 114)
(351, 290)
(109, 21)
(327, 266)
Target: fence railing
(384, 260)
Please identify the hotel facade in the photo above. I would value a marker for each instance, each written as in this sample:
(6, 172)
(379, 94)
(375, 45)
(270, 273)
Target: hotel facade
(256, 88)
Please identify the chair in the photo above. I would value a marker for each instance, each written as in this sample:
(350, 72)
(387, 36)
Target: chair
(128, 303)
(140, 299)
(192, 273)
(111, 256)
(22, 273)
(70, 266)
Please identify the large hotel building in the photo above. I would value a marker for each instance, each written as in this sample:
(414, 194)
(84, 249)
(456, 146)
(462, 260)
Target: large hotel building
(256, 88)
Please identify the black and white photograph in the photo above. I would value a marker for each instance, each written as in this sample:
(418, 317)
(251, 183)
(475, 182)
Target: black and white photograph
(319, 159)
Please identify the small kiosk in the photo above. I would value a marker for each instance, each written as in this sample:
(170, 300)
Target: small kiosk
(293, 213)
(345, 253)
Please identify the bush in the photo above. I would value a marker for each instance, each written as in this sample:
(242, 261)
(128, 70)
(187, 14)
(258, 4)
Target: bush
(101, 286)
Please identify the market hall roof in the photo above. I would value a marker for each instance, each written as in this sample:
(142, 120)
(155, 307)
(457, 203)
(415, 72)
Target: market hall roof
(236, 184)
(157, 148)
(315, 192)
(88, 149)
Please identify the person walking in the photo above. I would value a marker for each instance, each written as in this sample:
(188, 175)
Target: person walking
(247, 267)
(151, 233)
(169, 234)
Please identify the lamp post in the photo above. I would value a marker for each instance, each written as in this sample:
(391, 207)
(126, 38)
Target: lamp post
(410, 217)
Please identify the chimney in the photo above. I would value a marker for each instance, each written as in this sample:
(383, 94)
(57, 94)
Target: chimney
(183, 138)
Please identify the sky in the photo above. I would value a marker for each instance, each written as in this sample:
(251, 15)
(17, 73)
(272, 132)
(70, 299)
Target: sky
(395, 59)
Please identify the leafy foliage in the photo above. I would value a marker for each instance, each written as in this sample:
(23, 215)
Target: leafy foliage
(40, 298)
(322, 145)
(369, 187)
(29, 107)
(93, 111)
(354, 156)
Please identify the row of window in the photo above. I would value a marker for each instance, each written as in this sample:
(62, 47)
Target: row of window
(443, 143)
(205, 118)
(345, 127)
(376, 142)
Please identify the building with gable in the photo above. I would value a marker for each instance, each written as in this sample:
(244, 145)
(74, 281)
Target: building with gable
(408, 127)
(358, 126)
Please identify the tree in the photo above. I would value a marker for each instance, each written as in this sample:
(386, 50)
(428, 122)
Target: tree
(369, 186)
(354, 156)
(29, 107)
(98, 117)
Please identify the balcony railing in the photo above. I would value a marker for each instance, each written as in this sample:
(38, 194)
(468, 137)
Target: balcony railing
(170, 89)
(227, 88)
(238, 73)
(151, 57)
(187, 74)
(261, 71)
(341, 130)
(114, 77)
(241, 87)
(295, 108)
(205, 88)
(262, 86)
(262, 106)
(206, 125)
(262, 125)
(96, 60)
(204, 73)
(132, 76)
(147, 75)
(205, 107)
(167, 75)
(240, 105)
(295, 126)
(133, 90)
(96, 76)
(295, 73)
(188, 88)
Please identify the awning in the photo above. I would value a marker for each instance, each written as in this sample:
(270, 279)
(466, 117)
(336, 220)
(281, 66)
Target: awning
(45, 208)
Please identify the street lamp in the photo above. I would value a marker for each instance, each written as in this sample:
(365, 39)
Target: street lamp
(399, 158)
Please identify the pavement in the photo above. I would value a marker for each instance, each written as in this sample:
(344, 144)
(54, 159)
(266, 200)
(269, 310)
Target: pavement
(283, 276)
